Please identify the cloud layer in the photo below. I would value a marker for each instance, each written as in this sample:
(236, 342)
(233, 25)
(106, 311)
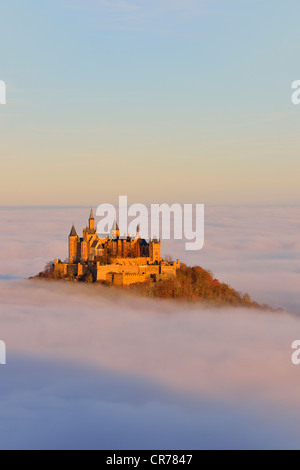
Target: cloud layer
(253, 249)
(115, 371)
(93, 367)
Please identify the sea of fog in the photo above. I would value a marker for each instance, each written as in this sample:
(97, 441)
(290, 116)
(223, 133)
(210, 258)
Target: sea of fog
(92, 367)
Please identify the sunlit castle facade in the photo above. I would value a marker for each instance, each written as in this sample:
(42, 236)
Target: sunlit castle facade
(113, 259)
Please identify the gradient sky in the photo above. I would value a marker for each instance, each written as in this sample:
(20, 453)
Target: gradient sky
(160, 100)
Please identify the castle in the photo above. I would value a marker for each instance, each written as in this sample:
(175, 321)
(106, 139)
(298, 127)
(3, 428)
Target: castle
(114, 259)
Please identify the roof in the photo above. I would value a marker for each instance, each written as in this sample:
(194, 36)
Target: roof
(73, 232)
(91, 215)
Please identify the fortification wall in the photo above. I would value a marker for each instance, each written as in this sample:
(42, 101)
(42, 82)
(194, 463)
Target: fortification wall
(151, 270)
(132, 261)
(102, 271)
(168, 271)
(125, 279)
(60, 269)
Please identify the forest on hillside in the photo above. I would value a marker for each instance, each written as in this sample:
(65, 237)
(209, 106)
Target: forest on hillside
(195, 283)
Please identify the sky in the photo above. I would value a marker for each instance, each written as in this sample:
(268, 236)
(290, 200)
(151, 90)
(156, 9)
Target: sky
(162, 101)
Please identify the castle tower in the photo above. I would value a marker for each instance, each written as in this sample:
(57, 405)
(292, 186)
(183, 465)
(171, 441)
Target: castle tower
(91, 221)
(154, 250)
(115, 232)
(138, 232)
(73, 246)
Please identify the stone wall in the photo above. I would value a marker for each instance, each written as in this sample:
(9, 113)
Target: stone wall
(125, 279)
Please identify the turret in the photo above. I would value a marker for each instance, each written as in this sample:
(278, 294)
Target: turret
(73, 246)
(115, 232)
(138, 232)
(91, 221)
(154, 250)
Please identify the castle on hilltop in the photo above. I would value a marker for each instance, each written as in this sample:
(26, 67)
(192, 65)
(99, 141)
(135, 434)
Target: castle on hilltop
(114, 259)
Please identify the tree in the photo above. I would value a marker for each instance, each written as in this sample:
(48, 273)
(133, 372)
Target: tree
(49, 268)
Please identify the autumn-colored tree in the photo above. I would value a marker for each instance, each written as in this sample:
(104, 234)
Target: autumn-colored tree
(196, 283)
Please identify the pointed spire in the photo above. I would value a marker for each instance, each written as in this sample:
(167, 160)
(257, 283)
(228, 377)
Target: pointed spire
(73, 232)
(138, 236)
(115, 226)
(91, 215)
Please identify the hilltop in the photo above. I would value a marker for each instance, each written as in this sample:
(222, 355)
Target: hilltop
(136, 264)
(190, 284)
